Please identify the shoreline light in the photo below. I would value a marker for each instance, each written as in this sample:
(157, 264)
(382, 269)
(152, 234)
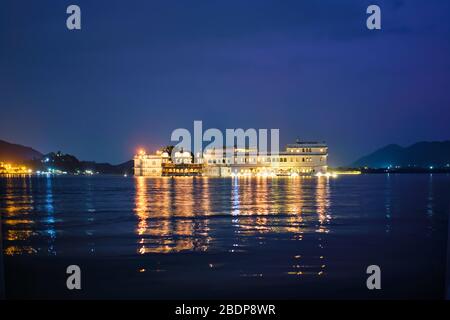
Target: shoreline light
(13, 169)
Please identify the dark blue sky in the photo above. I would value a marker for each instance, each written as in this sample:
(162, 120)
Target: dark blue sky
(139, 69)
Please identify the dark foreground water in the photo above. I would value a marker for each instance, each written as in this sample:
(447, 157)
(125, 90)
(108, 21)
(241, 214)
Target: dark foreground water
(225, 238)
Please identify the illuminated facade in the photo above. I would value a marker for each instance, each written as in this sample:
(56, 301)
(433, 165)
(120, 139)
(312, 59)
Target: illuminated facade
(300, 158)
(147, 164)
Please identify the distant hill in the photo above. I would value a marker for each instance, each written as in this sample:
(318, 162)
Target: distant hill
(69, 163)
(106, 168)
(17, 153)
(421, 154)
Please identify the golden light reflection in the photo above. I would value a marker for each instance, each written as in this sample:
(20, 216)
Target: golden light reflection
(141, 204)
(323, 203)
(18, 203)
(294, 205)
(172, 214)
(261, 205)
(18, 250)
(318, 200)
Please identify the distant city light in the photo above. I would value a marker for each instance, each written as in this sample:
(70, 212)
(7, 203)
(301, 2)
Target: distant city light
(328, 174)
(12, 169)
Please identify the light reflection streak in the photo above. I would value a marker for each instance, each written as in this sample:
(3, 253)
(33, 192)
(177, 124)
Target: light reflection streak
(430, 205)
(388, 203)
(323, 203)
(19, 204)
(50, 220)
(322, 210)
(172, 215)
(179, 215)
(430, 197)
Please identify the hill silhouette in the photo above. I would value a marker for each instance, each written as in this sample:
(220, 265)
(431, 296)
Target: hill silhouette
(421, 154)
(17, 153)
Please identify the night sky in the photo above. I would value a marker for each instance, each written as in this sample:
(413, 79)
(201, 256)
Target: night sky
(139, 69)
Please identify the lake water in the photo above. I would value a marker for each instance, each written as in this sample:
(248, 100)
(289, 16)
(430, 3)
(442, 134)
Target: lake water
(159, 238)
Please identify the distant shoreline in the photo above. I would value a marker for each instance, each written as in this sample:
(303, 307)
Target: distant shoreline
(393, 170)
(366, 172)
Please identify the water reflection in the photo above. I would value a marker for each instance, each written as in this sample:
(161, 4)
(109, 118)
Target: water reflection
(299, 215)
(430, 197)
(279, 231)
(430, 205)
(50, 219)
(388, 203)
(175, 214)
(172, 214)
(18, 204)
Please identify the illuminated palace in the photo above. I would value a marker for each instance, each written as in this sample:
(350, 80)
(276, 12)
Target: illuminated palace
(300, 158)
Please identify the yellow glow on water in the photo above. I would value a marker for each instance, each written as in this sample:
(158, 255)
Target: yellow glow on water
(165, 209)
(18, 222)
(15, 235)
(18, 250)
(141, 204)
(172, 215)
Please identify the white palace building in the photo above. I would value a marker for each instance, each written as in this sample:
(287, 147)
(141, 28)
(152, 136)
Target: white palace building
(300, 158)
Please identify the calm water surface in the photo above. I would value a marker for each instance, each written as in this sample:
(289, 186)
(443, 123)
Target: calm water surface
(225, 238)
